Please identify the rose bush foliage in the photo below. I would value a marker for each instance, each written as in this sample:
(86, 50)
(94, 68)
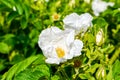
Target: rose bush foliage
(79, 47)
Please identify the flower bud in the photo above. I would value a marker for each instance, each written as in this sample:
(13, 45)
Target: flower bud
(101, 73)
(100, 37)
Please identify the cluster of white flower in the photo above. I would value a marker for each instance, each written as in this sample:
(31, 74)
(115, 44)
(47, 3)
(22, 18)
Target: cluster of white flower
(60, 45)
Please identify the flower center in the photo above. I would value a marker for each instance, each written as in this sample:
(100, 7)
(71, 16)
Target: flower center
(55, 16)
(60, 52)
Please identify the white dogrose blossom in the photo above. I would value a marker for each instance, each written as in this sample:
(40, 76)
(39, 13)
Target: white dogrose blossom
(78, 23)
(99, 6)
(58, 45)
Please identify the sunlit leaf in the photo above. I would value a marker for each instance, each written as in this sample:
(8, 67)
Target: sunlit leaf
(35, 74)
(116, 68)
(19, 6)
(7, 3)
(14, 70)
(4, 48)
(55, 77)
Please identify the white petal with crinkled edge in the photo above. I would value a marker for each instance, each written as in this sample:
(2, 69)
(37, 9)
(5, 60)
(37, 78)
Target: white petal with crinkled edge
(71, 20)
(52, 61)
(76, 48)
(47, 35)
(53, 39)
(78, 23)
(85, 21)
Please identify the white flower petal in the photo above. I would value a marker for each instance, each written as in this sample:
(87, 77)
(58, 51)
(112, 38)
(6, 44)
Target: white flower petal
(49, 51)
(57, 44)
(99, 6)
(47, 35)
(86, 21)
(71, 20)
(78, 23)
(52, 61)
(70, 38)
(76, 48)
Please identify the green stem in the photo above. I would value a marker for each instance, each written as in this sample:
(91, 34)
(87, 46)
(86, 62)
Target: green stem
(114, 57)
(62, 73)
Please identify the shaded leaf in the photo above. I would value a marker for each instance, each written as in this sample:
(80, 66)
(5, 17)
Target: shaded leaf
(24, 23)
(11, 16)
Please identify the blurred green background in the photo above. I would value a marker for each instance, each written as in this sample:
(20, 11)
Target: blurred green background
(21, 22)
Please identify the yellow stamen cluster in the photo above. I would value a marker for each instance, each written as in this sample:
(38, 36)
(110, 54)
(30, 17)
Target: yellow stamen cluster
(60, 52)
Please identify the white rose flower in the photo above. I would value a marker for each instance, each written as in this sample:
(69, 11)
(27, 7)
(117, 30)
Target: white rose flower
(78, 23)
(99, 6)
(58, 45)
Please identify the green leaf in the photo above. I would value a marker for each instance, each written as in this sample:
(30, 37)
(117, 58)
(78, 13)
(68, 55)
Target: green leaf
(27, 11)
(9, 39)
(11, 16)
(36, 73)
(7, 3)
(19, 6)
(17, 68)
(28, 74)
(109, 76)
(100, 23)
(93, 68)
(2, 65)
(55, 77)
(116, 68)
(23, 23)
(40, 60)
(4, 48)
(43, 68)
(85, 76)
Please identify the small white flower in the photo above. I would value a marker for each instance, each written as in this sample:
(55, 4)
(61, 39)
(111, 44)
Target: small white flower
(78, 23)
(99, 6)
(58, 45)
